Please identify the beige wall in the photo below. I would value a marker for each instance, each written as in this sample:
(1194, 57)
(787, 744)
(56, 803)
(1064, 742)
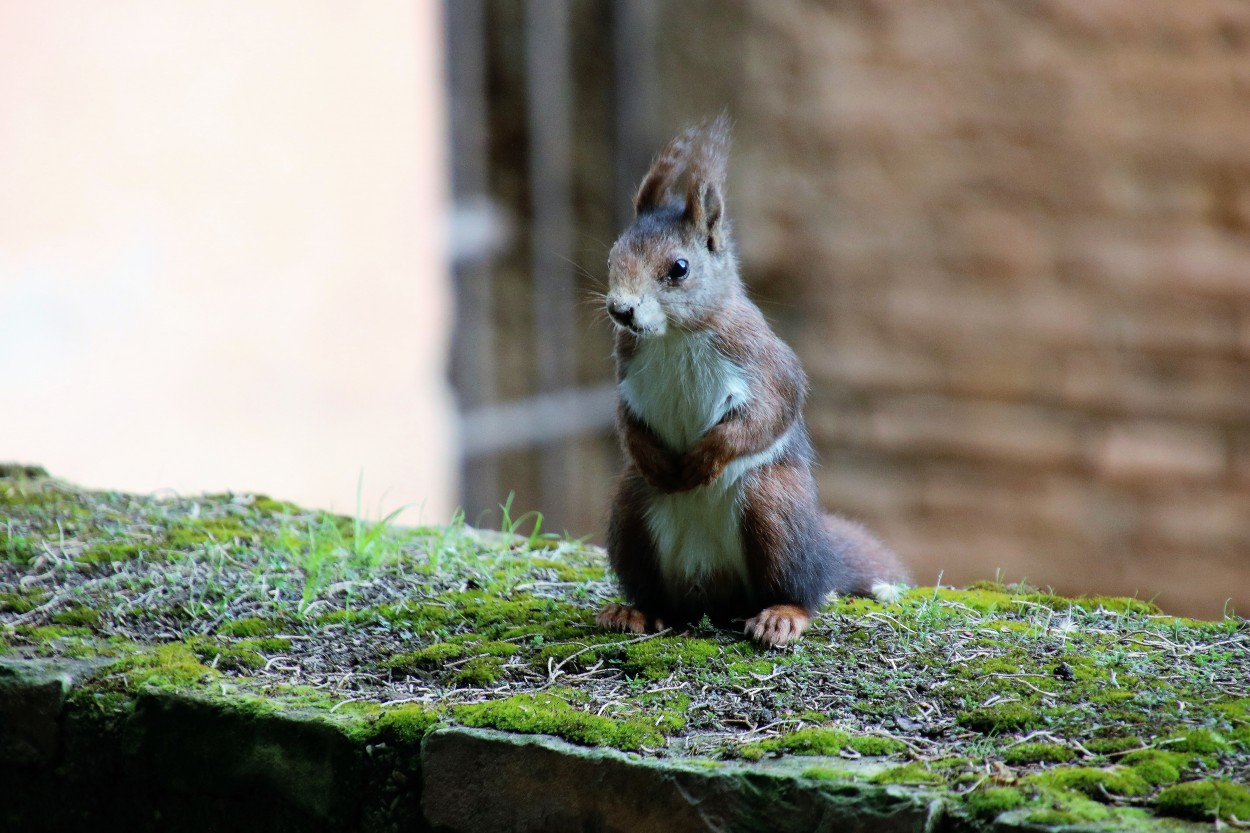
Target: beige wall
(221, 260)
(1011, 242)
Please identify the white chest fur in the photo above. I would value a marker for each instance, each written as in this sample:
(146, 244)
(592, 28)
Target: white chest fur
(681, 386)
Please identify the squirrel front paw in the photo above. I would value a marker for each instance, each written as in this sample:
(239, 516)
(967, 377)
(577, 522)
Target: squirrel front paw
(775, 626)
(701, 467)
(616, 617)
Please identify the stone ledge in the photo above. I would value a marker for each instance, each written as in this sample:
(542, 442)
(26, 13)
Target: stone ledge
(542, 783)
(233, 662)
(163, 761)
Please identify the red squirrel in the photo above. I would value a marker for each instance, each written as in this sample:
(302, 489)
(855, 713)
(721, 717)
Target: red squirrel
(716, 512)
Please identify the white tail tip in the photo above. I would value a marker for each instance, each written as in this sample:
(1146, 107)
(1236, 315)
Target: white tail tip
(888, 592)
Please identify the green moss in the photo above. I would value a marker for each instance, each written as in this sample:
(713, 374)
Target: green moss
(22, 471)
(226, 657)
(1000, 718)
(172, 665)
(550, 715)
(252, 626)
(993, 665)
(1157, 767)
(1055, 818)
(427, 658)
(980, 600)
(108, 552)
(572, 574)
(266, 645)
(77, 616)
(481, 672)
(750, 752)
(1112, 746)
(656, 659)
(494, 648)
(489, 614)
(1236, 710)
(760, 667)
(1118, 604)
(195, 534)
(1046, 600)
(52, 633)
(21, 602)
(672, 707)
(20, 549)
(991, 586)
(268, 506)
(811, 741)
(1204, 800)
(1095, 783)
(407, 723)
(913, 773)
(1038, 753)
(876, 745)
(1201, 741)
(992, 802)
(824, 773)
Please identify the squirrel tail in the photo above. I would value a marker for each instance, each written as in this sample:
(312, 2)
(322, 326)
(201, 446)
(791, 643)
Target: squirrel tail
(872, 568)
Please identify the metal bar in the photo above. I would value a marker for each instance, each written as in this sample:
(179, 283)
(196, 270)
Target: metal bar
(538, 420)
(473, 357)
(637, 92)
(554, 302)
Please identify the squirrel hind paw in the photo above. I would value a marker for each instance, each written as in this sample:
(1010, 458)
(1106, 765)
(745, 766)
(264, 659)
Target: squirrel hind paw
(616, 617)
(775, 626)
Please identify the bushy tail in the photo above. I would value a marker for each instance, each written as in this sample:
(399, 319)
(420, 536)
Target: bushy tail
(872, 568)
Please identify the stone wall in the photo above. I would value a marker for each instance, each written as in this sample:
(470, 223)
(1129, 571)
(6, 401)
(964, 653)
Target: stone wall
(1011, 243)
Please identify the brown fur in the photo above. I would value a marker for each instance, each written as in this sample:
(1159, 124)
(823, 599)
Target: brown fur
(794, 554)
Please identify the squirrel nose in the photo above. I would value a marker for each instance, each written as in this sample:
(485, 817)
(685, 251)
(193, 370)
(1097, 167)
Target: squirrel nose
(622, 314)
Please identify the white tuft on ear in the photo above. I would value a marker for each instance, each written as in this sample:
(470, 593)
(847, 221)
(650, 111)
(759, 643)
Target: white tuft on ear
(888, 592)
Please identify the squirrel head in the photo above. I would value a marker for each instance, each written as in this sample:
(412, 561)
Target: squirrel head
(675, 266)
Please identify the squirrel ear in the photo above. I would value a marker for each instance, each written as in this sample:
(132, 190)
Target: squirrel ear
(705, 207)
(705, 195)
(668, 165)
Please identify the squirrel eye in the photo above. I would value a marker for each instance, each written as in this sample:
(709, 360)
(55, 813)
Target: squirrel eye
(679, 269)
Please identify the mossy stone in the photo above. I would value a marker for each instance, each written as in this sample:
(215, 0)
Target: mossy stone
(407, 723)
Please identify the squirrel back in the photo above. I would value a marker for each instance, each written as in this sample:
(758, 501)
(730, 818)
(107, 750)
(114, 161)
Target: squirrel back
(716, 512)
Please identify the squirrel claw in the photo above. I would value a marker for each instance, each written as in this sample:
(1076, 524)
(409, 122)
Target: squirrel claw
(775, 626)
(616, 617)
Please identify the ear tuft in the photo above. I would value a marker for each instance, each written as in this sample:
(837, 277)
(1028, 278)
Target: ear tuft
(668, 165)
(705, 193)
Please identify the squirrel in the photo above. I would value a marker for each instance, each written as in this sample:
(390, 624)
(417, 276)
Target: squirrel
(716, 512)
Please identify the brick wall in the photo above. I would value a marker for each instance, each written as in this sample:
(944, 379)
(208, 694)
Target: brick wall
(1011, 242)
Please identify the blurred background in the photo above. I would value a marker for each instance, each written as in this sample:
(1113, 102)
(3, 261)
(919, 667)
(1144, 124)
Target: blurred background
(294, 247)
